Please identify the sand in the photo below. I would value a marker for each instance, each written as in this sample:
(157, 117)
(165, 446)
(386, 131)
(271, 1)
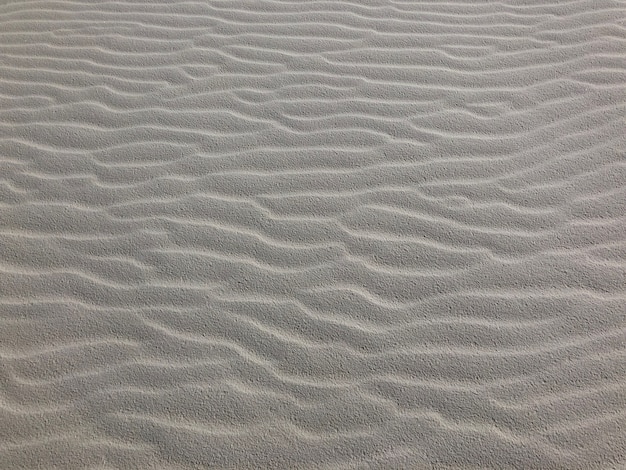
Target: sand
(313, 234)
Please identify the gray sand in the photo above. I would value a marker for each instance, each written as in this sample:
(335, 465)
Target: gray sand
(312, 234)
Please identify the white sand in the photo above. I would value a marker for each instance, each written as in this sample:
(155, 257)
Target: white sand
(302, 234)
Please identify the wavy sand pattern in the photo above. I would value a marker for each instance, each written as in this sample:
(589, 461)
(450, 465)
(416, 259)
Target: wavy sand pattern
(303, 234)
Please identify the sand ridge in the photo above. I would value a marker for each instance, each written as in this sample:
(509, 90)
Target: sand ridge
(304, 234)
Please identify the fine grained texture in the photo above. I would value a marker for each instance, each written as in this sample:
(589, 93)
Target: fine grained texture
(312, 234)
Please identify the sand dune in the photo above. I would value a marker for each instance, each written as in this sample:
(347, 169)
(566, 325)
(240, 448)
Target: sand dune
(301, 234)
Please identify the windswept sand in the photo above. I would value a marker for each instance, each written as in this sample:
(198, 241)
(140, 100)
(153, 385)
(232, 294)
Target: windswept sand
(313, 234)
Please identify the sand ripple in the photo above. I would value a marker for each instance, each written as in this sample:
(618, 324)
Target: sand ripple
(312, 234)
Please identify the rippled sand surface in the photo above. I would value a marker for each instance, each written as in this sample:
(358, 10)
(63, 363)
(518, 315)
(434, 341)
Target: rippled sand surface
(313, 234)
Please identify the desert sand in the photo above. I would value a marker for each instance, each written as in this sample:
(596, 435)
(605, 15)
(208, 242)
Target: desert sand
(313, 234)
